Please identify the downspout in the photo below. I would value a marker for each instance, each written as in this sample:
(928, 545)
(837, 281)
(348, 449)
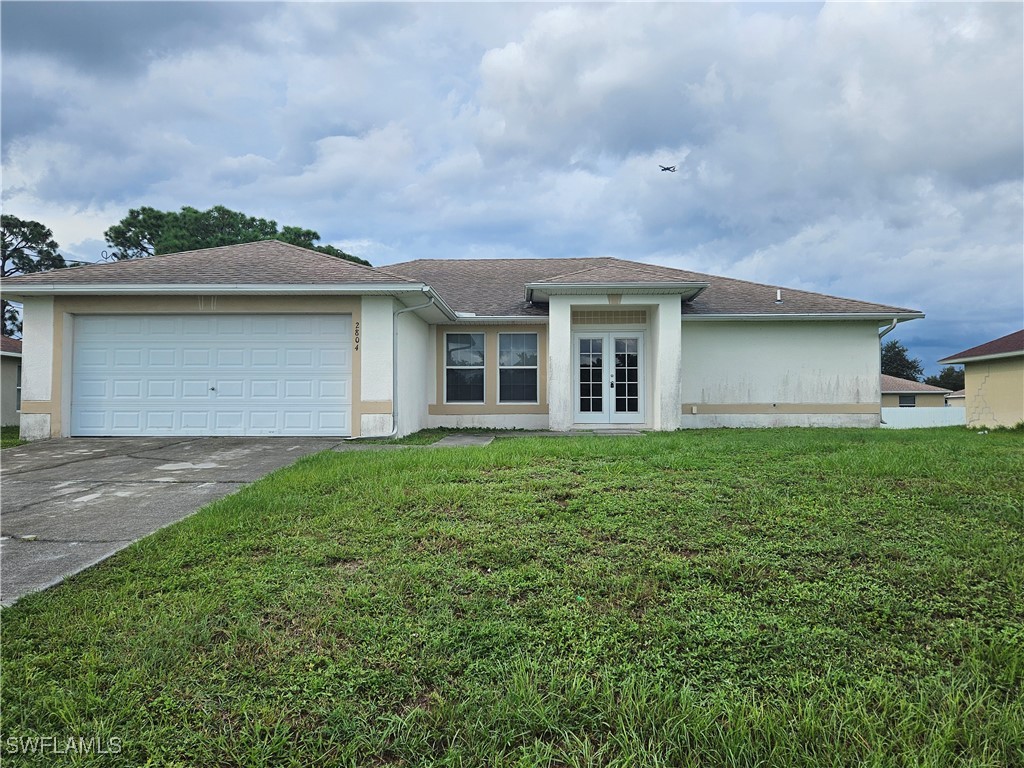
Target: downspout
(880, 335)
(394, 372)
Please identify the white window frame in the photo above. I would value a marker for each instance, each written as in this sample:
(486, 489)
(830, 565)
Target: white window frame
(534, 368)
(482, 367)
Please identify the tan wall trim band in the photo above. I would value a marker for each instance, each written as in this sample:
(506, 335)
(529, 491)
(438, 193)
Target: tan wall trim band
(491, 404)
(767, 408)
(485, 410)
(375, 407)
(36, 406)
(63, 306)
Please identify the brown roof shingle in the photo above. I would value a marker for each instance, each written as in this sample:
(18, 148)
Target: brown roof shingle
(495, 287)
(490, 287)
(9, 345)
(263, 262)
(1008, 344)
(893, 384)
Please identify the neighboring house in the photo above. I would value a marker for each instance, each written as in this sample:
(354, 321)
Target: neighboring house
(904, 393)
(267, 338)
(957, 399)
(10, 380)
(993, 381)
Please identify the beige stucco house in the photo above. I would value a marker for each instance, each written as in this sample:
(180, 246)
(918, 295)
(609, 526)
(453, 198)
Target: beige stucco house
(270, 339)
(905, 393)
(10, 380)
(993, 381)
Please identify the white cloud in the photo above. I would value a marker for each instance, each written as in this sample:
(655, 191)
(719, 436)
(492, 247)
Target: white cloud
(868, 150)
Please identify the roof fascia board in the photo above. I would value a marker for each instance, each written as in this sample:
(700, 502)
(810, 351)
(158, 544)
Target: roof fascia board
(981, 358)
(899, 317)
(464, 319)
(10, 354)
(45, 289)
(587, 289)
(219, 289)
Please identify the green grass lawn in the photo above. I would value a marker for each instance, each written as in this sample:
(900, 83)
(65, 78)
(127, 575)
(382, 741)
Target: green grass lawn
(10, 436)
(733, 598)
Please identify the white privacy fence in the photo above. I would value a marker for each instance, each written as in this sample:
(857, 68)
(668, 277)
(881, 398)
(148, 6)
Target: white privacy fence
(913, 418)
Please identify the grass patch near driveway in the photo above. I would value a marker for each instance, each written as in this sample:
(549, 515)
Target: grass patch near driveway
(773, 597)
(10, 436)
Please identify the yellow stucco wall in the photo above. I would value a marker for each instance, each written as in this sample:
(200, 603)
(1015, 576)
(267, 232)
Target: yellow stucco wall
(924, 400)
(995, 392)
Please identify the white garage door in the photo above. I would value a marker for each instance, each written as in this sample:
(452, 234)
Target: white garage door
(212, 375)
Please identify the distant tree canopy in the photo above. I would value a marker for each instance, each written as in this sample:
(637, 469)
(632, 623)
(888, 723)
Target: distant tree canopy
(148, 232)
(28, 246)
(896, 361)
(950, 377)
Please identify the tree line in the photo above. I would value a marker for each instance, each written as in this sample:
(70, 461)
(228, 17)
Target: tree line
(28, 246)
(896, 361)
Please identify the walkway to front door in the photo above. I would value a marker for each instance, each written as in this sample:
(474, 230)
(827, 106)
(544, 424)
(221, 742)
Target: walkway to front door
(609, 381)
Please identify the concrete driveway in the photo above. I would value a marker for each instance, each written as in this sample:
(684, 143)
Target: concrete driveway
(67, 504)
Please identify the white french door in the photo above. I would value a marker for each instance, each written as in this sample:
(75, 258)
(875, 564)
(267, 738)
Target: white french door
(608, 378)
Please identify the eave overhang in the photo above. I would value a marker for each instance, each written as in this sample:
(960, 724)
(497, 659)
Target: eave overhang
(981, 358)
(766, 317)
(541, 292)
(398, 291)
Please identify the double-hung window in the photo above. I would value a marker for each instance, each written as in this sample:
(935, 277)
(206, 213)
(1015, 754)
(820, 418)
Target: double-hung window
(464, 367)
(517, 367)
(908, 401)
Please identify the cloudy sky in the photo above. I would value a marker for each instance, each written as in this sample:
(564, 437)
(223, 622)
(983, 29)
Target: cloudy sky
(867, 150)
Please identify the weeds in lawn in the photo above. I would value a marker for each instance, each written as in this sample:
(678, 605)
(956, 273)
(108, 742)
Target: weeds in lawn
(775, 597)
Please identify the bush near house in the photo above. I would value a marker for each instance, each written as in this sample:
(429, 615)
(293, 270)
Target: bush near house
(774, 597)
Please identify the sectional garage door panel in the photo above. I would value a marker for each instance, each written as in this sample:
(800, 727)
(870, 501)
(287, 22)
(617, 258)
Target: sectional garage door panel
(212, 375)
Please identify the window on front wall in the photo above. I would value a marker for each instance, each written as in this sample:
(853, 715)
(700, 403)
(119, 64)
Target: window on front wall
(908, 401)
(517, 367)
(464, 367)
(17, 390)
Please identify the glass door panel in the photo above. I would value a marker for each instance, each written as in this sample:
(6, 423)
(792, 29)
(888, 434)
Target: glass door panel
(608, 381)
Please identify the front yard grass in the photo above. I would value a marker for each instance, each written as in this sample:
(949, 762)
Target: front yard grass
(741, 598)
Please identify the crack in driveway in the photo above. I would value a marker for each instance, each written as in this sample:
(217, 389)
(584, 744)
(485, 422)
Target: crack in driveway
(85, 520)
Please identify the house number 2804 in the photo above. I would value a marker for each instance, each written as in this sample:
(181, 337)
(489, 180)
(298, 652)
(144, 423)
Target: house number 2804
(356, 338)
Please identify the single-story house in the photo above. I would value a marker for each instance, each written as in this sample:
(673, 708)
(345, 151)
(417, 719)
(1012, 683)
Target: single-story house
(993, 381)
(906, 393)
(269, 339)
(10, 380)
(957, 399)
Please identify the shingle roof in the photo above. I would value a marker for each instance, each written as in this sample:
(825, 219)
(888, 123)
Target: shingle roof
(495, 287)
(263, 262)
(1004, 345)
(619, 272)
(492, 287)
(9, 345)
(893, 384)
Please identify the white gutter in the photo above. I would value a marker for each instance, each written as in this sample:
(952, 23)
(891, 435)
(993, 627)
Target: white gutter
(466, 319)
(980, 358)
(228, 289)
(586, 289)
(901, 317)
(882, 333)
